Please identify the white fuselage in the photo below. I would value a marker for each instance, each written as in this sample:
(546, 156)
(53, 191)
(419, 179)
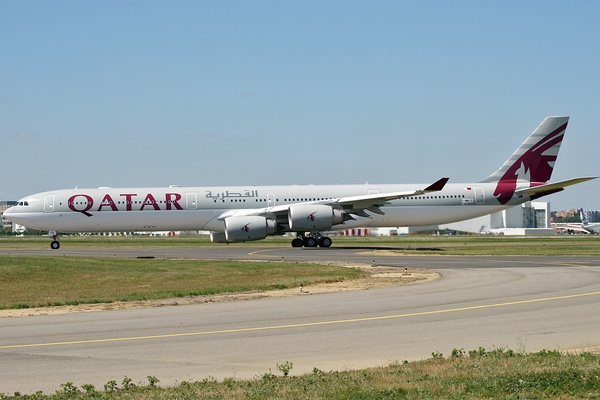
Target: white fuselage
(592, 228)
(198, 208)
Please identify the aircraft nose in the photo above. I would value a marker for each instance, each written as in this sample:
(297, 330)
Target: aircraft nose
(14, 210)
(8, 212)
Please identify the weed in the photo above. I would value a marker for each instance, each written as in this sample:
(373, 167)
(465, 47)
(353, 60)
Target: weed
(89, 388)
(285, 368)
(68, 389)
(128, 383)
(229, 382)
(456, 353)
(268, 376)
(111, 386)
(153, 381)
(477, 353)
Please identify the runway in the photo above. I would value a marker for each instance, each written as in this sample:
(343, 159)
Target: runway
(522, 303)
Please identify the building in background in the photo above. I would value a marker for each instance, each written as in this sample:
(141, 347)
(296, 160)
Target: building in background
(531, 218)
(4, 205)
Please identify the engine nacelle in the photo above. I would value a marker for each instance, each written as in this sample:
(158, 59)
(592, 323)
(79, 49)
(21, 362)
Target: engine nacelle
(247, 228)
(317, 217)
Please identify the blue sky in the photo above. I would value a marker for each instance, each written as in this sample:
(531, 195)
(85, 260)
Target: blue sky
(148, 93)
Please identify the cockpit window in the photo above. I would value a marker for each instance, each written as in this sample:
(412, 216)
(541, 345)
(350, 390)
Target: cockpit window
(23, 203)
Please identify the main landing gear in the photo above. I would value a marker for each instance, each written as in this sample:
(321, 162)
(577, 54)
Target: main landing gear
(312, 240)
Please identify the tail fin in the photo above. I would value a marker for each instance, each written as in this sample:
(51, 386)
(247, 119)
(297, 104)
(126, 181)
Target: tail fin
(584, 219)
(532, 163)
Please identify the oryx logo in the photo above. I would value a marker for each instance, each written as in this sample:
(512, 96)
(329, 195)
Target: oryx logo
(311, 216)
(534, 166)
(246, 227)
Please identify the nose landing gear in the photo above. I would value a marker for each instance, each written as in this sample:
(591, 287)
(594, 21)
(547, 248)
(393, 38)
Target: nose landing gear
(55, 245)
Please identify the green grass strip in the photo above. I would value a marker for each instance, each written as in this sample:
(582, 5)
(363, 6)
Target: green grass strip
(498, 374)
(29, 281)
(412, 244)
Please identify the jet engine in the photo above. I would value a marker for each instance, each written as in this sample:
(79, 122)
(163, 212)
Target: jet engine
(312, 218)
(247, 228)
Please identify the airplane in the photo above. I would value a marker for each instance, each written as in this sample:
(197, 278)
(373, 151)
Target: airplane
(585, 224)
(246, 213)
(583, 227)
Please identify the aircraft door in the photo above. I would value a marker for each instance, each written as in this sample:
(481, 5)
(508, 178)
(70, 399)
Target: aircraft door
(479, 195)
(49, 204)
(270, 200)
(191, 201)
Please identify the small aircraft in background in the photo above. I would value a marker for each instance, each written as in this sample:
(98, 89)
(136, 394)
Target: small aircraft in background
(584, 227)
(590, 227)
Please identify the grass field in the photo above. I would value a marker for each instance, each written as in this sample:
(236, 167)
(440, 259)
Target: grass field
(445, 245)
(29, 281)
(476, 374)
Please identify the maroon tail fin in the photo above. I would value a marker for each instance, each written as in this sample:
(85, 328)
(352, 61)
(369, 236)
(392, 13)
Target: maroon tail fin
(532, 163)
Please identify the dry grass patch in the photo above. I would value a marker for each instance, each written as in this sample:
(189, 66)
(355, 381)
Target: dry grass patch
(53, 285)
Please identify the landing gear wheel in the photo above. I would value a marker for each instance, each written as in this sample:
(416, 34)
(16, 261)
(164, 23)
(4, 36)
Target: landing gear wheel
(297, 242)
(55, 245)
(325, 242)
(310, 242)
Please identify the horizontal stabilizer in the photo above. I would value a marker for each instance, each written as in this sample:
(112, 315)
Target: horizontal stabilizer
(544, 190)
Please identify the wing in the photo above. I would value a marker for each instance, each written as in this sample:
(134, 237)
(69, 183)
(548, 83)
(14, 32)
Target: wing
(357, 205)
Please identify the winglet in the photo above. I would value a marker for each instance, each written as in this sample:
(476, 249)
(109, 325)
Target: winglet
(436, 186)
